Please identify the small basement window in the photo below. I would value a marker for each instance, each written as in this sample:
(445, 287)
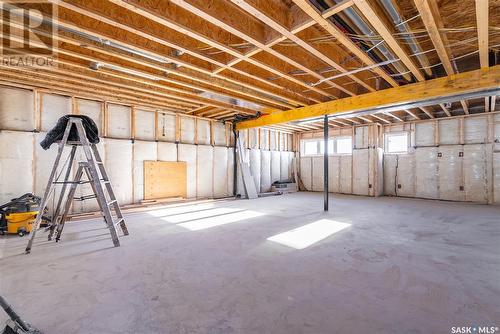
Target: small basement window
(396, 142)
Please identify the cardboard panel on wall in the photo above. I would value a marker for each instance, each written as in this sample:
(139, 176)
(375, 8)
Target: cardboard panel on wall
(203, 131)
(188, 154)
(266, 171)
(477, 163)
(167, 151)
(317, 174)
(166, 126)
(53, 107)
(220, 177)
(16, 164)
(17, 109)
(187, 130)
(92, 109)
(305, 172)
(450, 173)
(426, 172)
(204, 177)
(119, 121)
(144, 124)
(143, 151)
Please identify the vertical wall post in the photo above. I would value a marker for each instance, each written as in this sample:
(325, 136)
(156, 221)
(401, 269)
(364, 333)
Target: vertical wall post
(325, 162)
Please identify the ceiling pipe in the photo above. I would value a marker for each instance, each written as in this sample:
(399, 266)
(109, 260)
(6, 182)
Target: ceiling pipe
(402, 27)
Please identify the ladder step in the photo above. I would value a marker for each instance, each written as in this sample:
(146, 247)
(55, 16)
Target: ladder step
(111, 202)
(119, 221)
(83, 198)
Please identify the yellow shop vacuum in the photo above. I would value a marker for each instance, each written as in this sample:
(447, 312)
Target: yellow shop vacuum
(18, 216)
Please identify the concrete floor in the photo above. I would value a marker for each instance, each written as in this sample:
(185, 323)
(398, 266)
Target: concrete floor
(403, 266)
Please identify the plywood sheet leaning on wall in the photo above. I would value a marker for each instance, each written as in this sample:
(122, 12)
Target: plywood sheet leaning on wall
(164, 179)
(16, 164)
(17, 109)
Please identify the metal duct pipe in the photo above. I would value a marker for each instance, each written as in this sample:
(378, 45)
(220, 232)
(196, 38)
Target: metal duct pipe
(365, 29)
(403, 27)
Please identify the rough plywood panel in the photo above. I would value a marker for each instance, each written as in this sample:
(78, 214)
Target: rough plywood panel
(306, 172)
(144, 124)
(119, 167)
(188, 154)
(17, 109)
(220, 177)
(86, 189)
(253, 138)
(390, 163)
(143, 151)
(426, 172)
(450, 173)
(219, 131)
(476, 130)
(275, 166)
(53, 108)
(119, 121)
(496, 178)
(166, 127)
(317, 173)
(424, 134)
(204, 165)
(203, 132)
(16, 164)
(163, 179)
(449, 131)
(361, 137)
(285, 169)
(167, 151)
(334, 174)
(476, 166)
(360, 172)
(230, 172)
(264, 139)
(346, 174)
(92, 109)
(406, 175)
(187, 130)
(265, 171)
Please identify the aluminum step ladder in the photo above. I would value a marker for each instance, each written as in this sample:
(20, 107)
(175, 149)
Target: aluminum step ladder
(98, 179)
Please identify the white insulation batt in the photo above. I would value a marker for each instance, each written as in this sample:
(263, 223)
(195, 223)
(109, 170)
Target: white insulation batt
(496, 131)
(496, 178)
(253, 138)
(273, 142)
(203, 132)
(275, 166)
(426, 172)
(346, 174)
(360, 158)
(334, 174)
(89, 205)
(264, 139)
(476, 130)
(53, 108)
(450, 173)
(119, 121)
(286, 166)
(187, 130)
(449, 131)
(144, 124)
(17, 109)
(220, 172)
(119, 167)
(317, 173)
(204, 177)
(361, 137)
(188, 154)
(265, 171)
(166, 127)
(219, 131)
(16, 164)
(390, 164)
(255, 167)
(405, 175)
(92, 109)
(167, 151)
(306, 172)
(230, 172)
(477, 163)
(143, 151)
(424, 134)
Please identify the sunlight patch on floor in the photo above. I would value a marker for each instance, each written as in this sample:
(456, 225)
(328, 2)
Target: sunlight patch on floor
(209, 222)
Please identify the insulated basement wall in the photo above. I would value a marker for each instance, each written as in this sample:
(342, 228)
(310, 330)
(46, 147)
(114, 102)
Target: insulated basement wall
(265, 171)
(118, 163)
(17, 109)
(143, 151)
(53, 107)
(119, 124)
(144, 124)
(275, 166)
(188, 154)
(92, 109)
(204, 171)
(496, 177)
(167, 151)
(426, 172)
(220, 172)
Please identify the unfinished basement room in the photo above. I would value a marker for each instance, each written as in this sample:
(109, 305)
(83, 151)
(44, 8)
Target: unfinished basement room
(249, 166)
